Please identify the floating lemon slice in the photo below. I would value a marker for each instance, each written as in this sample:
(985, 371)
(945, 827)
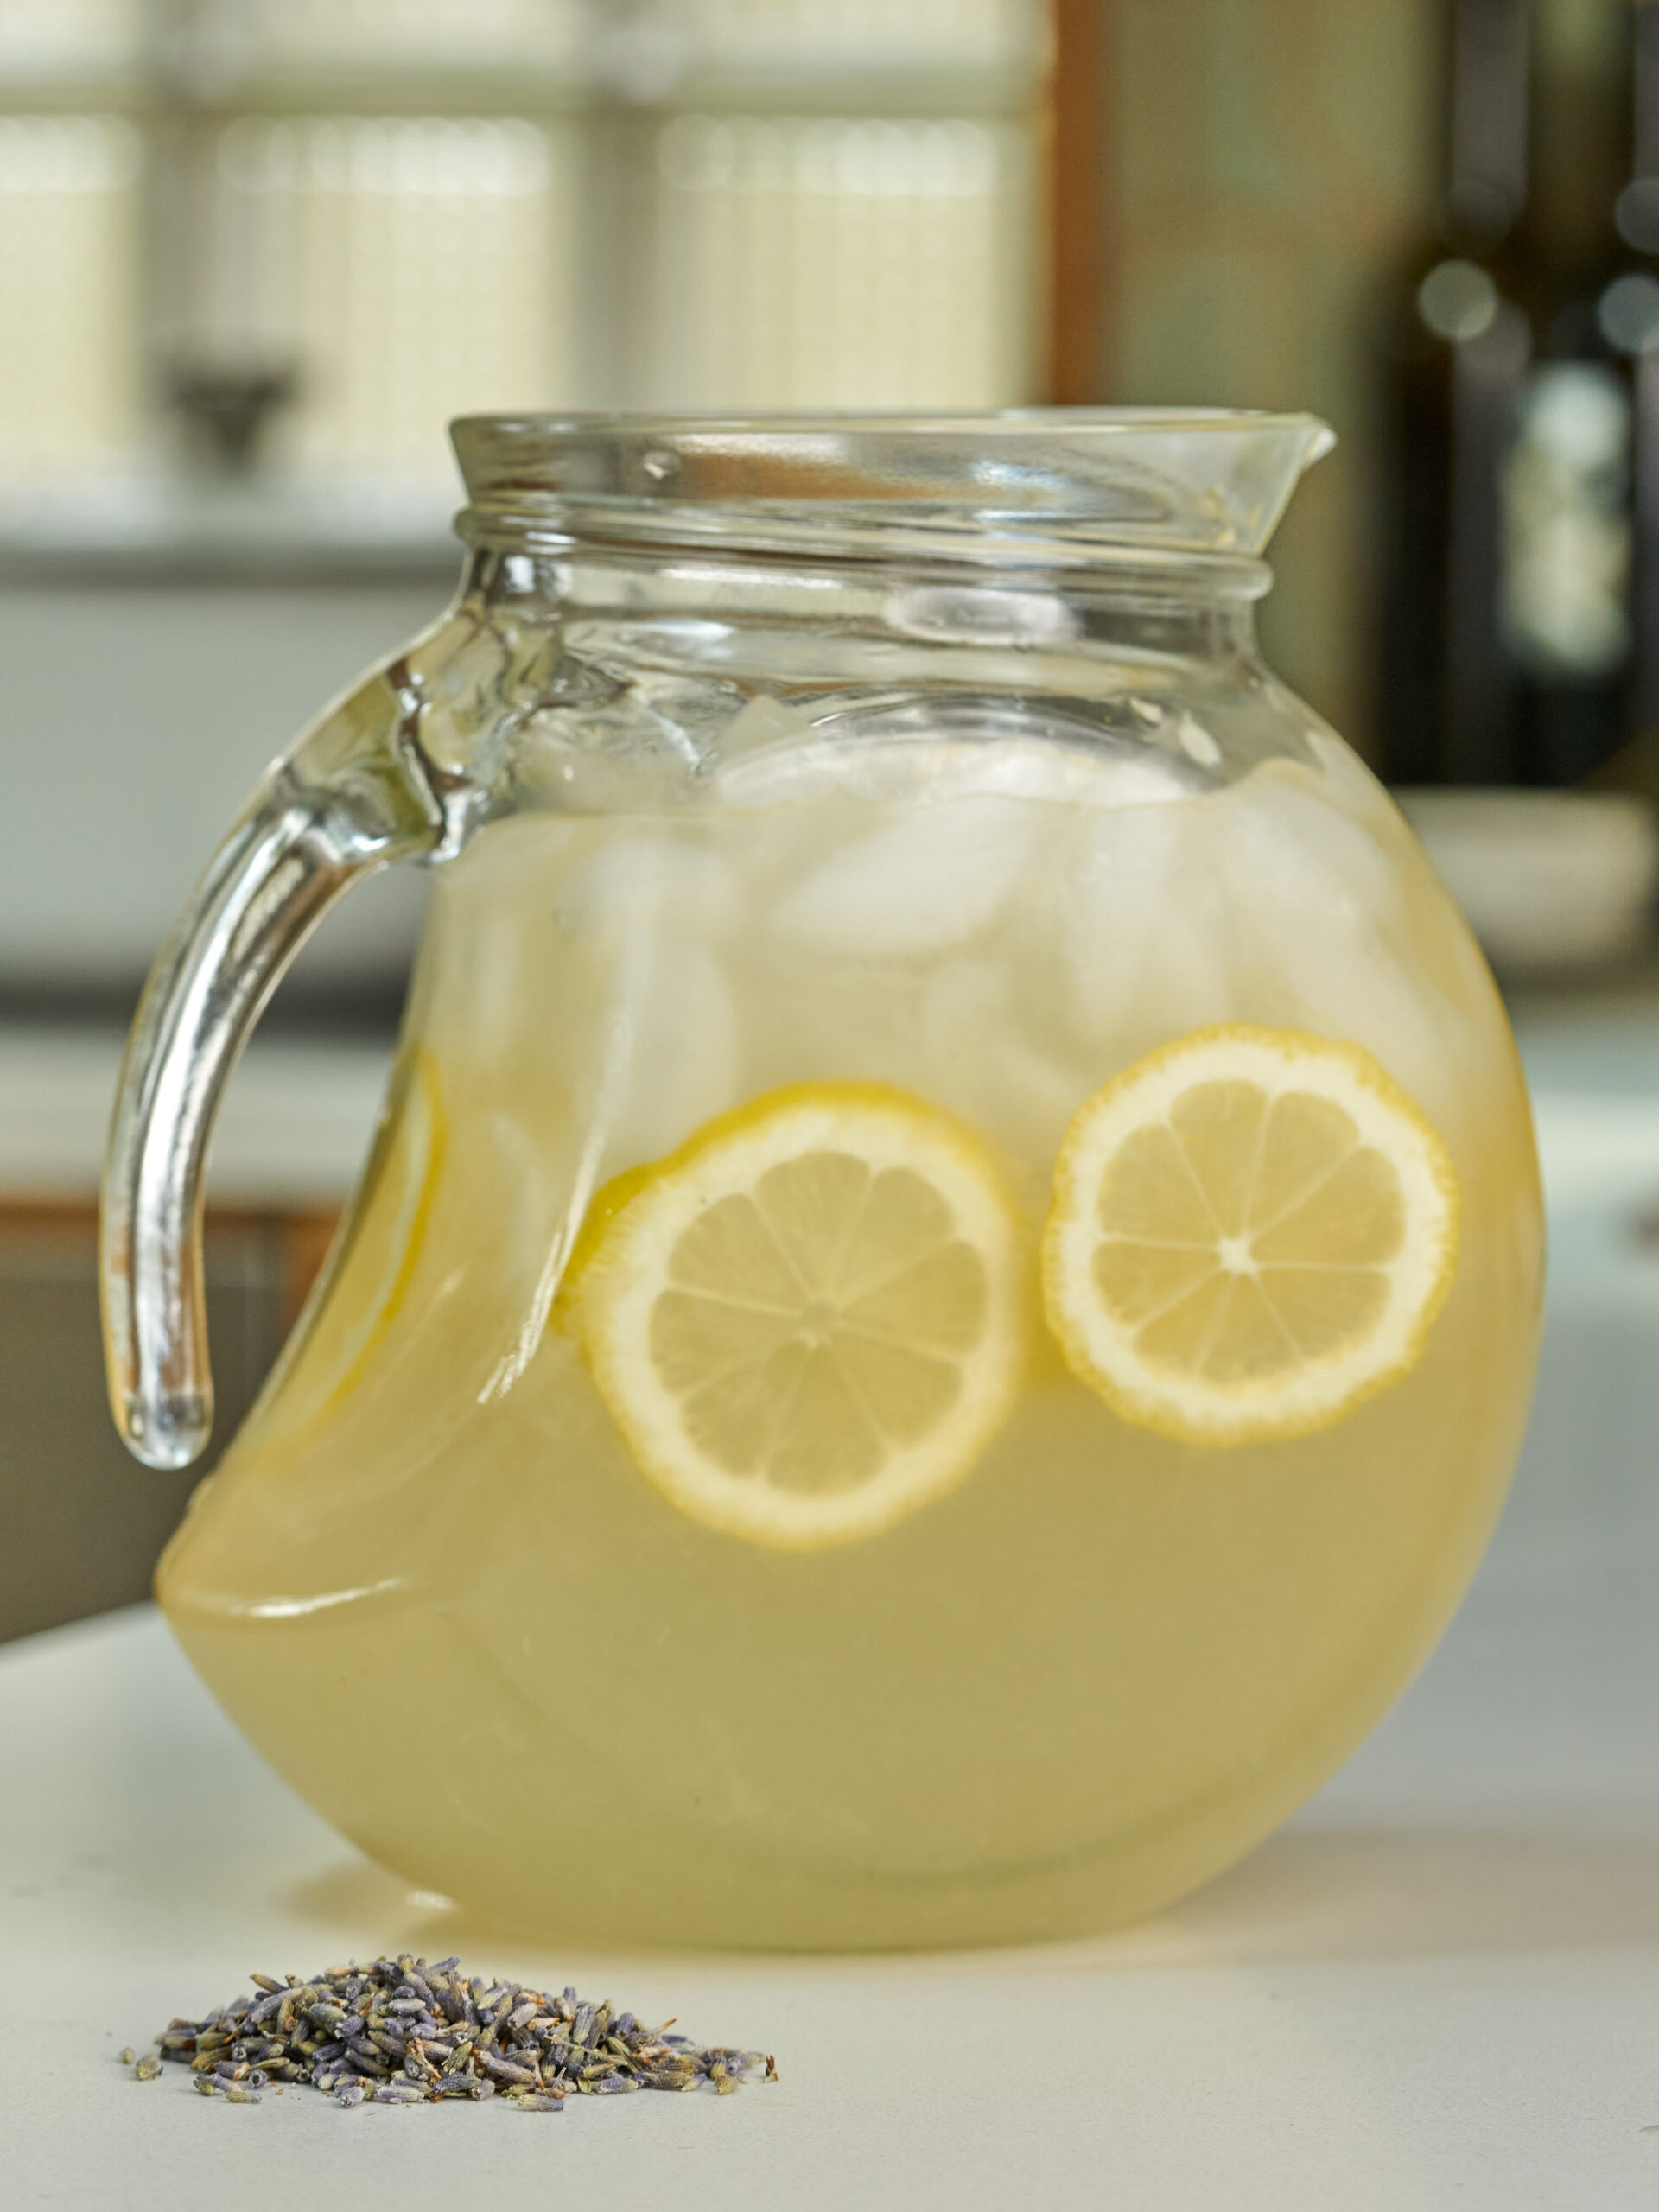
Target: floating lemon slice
(807, 1321)
(368, 1275)
(1253, 1231)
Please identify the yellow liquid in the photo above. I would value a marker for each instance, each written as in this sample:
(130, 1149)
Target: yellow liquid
(430, 1584)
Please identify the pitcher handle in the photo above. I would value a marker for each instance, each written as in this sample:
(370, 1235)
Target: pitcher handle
(357, 792)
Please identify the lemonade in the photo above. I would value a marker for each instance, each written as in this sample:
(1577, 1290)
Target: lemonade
(740, 1480)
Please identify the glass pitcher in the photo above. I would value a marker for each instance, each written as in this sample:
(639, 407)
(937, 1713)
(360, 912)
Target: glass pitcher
(948, 1282)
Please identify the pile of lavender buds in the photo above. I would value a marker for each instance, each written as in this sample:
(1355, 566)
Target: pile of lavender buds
(399, 2032)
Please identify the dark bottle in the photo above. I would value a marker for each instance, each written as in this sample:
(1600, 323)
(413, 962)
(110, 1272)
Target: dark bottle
(1455, 348)
(1517, 647)
(1570, 573)
(1628, 314)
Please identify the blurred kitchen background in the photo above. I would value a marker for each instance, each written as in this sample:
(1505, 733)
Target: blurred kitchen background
(253, 254)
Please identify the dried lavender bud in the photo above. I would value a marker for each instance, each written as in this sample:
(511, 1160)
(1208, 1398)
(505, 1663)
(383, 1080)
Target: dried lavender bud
(400, 2031)
(504, 2071)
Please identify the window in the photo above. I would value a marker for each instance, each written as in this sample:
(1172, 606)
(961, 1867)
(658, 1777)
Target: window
(402, 210)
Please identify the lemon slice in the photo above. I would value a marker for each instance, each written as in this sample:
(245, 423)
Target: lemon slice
(807, 1321)
(366, 1280)
(1253, 1231)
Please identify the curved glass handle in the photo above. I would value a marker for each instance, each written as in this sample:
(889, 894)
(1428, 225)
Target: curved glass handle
(357, 792)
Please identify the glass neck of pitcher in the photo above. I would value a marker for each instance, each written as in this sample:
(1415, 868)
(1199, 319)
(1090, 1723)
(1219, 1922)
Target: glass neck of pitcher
(697, 598)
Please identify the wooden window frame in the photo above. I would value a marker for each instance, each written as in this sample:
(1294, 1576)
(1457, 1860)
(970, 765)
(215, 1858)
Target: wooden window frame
(1076, 263)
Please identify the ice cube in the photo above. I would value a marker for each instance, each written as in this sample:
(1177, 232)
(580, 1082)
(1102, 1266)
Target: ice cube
(982, 1062)
(650, 911)
(1045, 768)
(1288, 849)
(675, 1029)
(842, 760)
(924, 765)
(763, 722)
(1139, 929)
(1321, 937)
(929, 876)
(636, 874)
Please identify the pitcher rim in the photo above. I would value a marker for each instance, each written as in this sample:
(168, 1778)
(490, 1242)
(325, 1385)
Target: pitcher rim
(1031, 419)
(1058, 483)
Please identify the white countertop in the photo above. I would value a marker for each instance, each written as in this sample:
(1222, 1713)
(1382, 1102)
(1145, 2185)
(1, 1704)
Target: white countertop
(1438, 1987)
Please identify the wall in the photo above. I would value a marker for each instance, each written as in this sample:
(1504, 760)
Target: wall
(134, 720)
(1265, 160)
